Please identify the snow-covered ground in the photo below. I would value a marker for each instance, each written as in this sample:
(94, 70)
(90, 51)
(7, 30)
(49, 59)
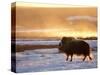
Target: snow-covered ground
(92, 43)
(50, 60)
(38, 42)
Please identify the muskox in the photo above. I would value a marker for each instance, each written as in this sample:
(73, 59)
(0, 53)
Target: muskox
(71, 46)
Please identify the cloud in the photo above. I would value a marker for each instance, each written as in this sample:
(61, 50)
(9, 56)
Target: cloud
(89, 18)
(43, 30)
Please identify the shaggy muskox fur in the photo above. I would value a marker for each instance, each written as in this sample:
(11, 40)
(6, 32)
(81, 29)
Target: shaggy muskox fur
(71, 46)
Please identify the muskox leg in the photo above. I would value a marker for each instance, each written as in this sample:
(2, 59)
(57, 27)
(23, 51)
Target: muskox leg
(67, 57)
(84, 57)
(90, 58)
(71, 57)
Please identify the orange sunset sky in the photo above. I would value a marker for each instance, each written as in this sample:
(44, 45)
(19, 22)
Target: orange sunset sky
(55, 21)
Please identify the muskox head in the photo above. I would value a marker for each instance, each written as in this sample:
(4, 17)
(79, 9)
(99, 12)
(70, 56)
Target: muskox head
(63, 42)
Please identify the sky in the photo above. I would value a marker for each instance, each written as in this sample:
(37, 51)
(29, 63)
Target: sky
(55, 21)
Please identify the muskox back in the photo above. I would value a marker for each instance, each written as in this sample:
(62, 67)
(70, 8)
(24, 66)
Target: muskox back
(72, 46)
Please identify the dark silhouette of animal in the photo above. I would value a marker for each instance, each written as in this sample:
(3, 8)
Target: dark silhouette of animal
(71, 46)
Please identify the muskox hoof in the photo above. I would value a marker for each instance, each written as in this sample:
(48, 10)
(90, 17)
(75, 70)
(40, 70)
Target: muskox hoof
(83, 59)
(71, 60)
(67, 59)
